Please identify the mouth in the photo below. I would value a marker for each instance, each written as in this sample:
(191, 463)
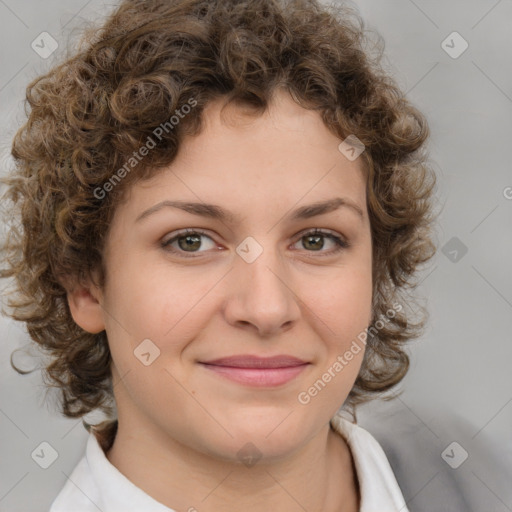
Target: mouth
(257, 371)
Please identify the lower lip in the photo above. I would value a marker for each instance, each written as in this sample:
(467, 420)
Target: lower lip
(259, 377)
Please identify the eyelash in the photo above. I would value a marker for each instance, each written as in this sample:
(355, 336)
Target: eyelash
(340, 242)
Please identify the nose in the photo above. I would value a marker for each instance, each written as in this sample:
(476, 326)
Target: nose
(261, 295)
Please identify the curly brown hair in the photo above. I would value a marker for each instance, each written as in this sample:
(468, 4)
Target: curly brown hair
(89, 114)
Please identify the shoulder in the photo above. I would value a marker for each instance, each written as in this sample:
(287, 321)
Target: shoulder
(79, 493)
(96, 484)
(437, 458)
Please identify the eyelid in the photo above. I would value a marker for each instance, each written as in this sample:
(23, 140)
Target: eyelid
(340, 241)
(180, 233)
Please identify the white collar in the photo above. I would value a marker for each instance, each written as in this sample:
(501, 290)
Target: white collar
(96, 485)
(378, 486)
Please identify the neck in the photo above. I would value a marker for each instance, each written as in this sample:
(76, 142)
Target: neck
(318, 476)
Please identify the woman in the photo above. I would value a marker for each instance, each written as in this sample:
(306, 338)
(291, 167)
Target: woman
(223, 205)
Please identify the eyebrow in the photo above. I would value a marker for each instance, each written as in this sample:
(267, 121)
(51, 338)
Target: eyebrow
(219, 213)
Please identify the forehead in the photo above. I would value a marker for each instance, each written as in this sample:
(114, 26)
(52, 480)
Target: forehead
(283, 159)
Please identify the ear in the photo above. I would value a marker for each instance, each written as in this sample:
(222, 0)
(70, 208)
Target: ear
(85, 304)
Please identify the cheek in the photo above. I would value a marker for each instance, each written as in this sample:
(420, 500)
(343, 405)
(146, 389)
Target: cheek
(343, 303)
(168, 307)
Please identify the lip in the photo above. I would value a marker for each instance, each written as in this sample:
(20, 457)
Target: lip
(257, 371)
(248, 361)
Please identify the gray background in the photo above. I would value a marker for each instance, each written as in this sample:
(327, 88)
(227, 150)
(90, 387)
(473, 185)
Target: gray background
(459, 388)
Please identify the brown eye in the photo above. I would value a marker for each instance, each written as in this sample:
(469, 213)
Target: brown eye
(187, 241)
(313, 241)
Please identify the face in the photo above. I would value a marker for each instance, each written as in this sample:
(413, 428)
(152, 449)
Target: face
(256, 282)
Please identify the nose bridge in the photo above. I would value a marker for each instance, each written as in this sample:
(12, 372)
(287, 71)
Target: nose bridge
(264, 272)
(261, 294)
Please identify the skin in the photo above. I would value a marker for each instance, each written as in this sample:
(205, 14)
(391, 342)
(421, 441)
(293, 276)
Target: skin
(185, 422)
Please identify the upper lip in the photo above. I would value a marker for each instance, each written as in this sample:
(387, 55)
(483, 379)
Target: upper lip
(248, 361)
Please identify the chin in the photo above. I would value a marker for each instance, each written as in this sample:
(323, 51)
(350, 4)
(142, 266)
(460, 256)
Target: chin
(251, 449)
(269, 438)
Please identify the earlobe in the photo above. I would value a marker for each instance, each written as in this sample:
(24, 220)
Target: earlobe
(86, 308)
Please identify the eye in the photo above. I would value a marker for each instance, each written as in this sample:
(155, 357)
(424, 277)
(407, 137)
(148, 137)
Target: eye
(189, 241)
(315, 238)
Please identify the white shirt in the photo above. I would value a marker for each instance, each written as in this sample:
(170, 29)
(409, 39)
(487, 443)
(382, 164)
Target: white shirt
(96, 485)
